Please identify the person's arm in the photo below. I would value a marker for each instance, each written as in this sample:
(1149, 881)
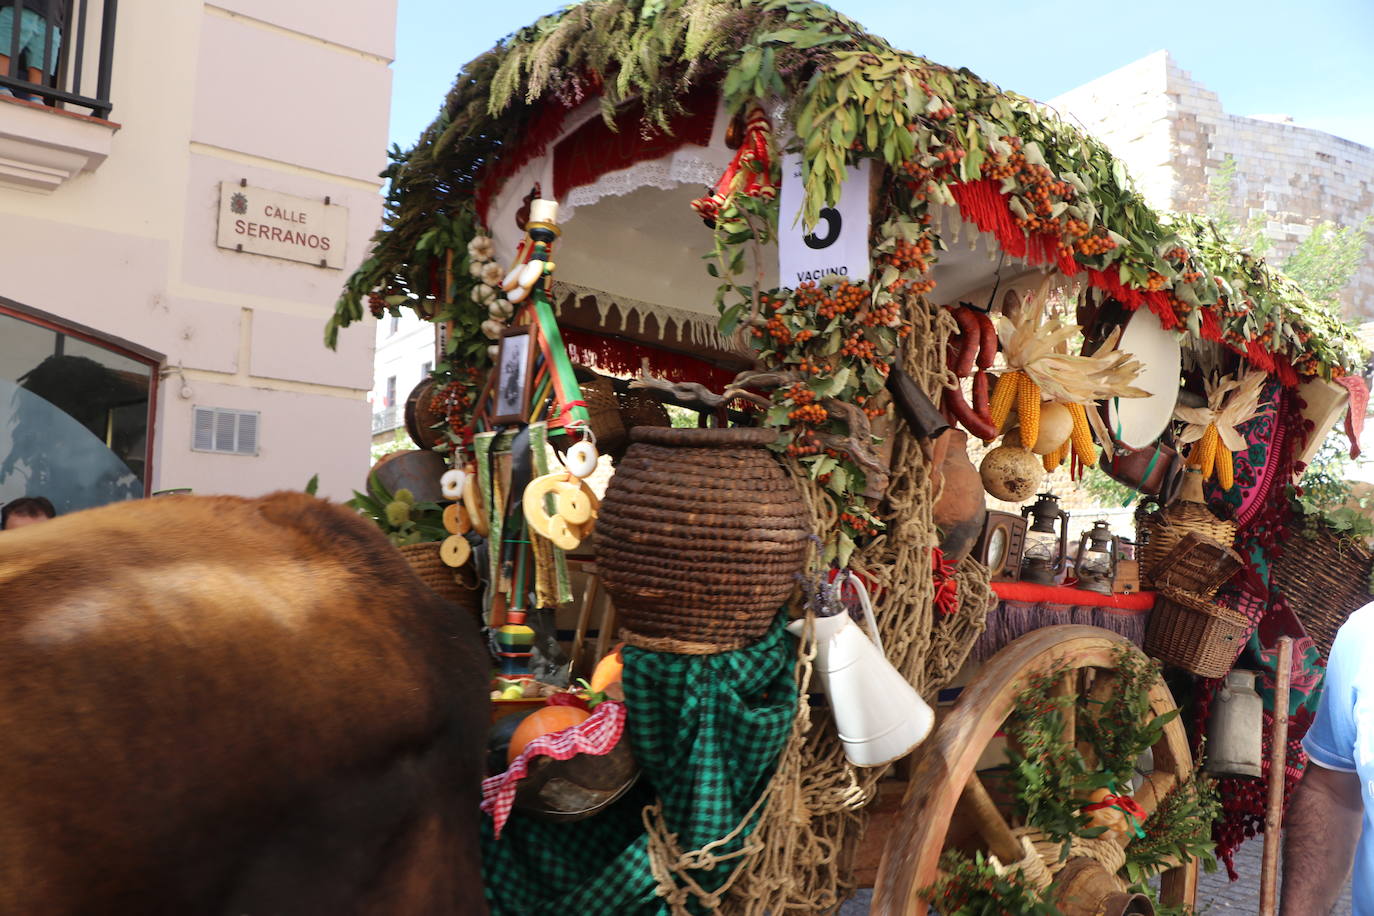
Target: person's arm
(1320, 833)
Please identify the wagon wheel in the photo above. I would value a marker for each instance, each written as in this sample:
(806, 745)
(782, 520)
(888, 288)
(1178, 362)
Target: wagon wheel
(948, 804)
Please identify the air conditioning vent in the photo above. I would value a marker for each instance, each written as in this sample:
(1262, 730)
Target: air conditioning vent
(225, 431)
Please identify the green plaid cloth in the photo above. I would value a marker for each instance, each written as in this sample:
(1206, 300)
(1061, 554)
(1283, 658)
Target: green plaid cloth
(707, 731)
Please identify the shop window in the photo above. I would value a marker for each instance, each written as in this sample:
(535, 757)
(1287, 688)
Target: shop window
(75, 413)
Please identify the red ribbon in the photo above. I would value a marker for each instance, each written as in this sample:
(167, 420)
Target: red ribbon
(1123, 803)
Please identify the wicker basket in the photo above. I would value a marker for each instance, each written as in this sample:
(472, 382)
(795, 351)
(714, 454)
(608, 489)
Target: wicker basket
(1325, 579)
(1197, 564)
(637, 408)
(700, 538)
(1195, 633)
(604, 411)
(1160, 532)
(446, 582)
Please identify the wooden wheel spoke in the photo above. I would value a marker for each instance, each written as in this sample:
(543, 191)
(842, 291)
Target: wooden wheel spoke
(1157, 785)
(948, 805)
(1067, 686)
(977, 805)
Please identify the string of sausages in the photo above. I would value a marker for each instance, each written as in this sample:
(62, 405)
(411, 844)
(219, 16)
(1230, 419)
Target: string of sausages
(971, 353)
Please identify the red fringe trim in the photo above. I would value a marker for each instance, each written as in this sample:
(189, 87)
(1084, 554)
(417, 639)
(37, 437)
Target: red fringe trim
(983, 204)
(1211, 325)
(543, 129)
(618, 356)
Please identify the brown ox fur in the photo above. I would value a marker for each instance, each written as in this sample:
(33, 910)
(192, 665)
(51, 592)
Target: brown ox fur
(224, 705)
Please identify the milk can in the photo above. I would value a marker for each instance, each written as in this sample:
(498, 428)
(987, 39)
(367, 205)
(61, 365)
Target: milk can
(1235, 728)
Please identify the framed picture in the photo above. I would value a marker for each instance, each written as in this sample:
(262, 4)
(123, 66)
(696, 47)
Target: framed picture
(511, 384)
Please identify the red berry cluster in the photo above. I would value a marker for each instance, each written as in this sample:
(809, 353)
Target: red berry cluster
(859, 346)
(811, 414)
(911, 255)
(886, 315)
(828, 304)
(1095, 244)
(806, 443)
(858, 524)
(376, 304)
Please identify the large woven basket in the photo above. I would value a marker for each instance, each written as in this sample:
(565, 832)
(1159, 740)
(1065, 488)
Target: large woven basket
(446, 582)
(1160, 532)
(1195, 633)
(700, 538)
(1325, 579)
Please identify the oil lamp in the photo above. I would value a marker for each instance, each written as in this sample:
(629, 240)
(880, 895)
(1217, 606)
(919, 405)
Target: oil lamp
(1095, 562)
(1046, 550)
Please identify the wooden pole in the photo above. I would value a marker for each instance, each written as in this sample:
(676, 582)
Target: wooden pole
(1278, 765)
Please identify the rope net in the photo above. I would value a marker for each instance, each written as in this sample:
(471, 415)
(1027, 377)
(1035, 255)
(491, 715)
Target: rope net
(809, 824)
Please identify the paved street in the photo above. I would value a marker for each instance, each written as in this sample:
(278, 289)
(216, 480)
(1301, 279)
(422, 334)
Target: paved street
(1216, 894)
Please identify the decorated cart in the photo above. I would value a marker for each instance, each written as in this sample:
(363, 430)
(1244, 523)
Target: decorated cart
(744, 315)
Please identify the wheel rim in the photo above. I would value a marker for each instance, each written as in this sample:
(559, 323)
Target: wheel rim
(949, 759)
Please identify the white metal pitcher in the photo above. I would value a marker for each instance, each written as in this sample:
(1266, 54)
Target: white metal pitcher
(879, 715)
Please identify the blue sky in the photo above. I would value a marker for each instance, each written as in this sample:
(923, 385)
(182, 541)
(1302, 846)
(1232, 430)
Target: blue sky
(1313, 60)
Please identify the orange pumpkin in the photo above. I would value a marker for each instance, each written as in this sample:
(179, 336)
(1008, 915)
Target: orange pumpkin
(608, 671)
(542, 722)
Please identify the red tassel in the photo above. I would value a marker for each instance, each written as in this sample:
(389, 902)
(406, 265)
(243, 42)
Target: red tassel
(1211, 325)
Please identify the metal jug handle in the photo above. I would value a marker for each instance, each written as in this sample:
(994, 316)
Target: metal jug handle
(862, 591)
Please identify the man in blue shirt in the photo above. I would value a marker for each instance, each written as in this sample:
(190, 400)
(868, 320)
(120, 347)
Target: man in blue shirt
(1333, 807)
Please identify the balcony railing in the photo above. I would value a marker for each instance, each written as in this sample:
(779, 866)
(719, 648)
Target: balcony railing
(59, 52)
(387, 418)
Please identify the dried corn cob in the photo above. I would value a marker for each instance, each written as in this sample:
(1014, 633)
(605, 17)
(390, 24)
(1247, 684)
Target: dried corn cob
(1204, 454)
(1083, 445)
(1003, 396)
(1028, 407)
(1226, 471)
(1055, 458)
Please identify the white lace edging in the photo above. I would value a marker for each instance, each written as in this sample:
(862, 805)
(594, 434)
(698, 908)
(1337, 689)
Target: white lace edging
(665, 174)
(690, 327)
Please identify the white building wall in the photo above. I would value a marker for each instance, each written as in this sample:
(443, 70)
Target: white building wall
(292, 97)
(404, 346)
(1174, 135)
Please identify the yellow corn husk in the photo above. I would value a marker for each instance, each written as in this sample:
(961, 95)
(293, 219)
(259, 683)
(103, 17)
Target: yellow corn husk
(999, 405)
(1226, 471)
(1028, 407)
(1083, 445)
(1206, 450)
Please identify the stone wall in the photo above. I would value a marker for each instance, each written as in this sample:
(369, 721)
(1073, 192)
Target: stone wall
(1174, 136)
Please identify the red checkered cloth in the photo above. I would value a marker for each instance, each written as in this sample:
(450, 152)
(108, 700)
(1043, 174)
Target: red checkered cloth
(596, 736)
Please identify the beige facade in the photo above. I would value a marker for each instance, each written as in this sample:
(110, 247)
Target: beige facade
(1174, 135)
(109, 227)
